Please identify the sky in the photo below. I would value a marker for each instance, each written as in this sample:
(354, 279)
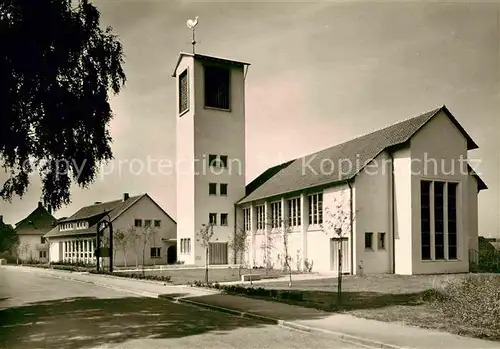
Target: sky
(321, 73)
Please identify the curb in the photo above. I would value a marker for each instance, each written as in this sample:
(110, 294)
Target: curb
(287, 324)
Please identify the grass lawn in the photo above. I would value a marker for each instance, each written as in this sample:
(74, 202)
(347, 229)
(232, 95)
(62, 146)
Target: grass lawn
(390, 298)
(186, 276)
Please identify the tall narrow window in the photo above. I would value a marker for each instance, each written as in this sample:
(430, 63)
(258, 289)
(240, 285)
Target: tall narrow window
(246, 219)
(183, 92)
(294, 212)
(425, 219)
(260, 217)
(223, 218)
(212, 218)
(452, 221)
(212, 160)
(316, 209)
(217, 87)
(223, 161)
(276, 214)
(223, 189)
(212, 188)
(439, 220)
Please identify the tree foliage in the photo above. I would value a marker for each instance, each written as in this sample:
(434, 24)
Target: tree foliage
(8, 238)
(57, 68)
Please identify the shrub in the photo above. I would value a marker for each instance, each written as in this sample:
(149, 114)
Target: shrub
(308, 265)
(473, 301)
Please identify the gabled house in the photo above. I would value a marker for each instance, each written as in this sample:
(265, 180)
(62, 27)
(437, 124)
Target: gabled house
(142, 224)
(31, 231)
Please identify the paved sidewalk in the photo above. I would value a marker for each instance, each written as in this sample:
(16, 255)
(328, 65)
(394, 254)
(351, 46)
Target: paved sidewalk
(371, 333)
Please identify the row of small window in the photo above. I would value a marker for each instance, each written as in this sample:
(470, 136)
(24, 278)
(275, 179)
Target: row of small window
(212, 218)
(76, 225)
(216, 88)
(212, 189)
(315, 205)
(186, 246)
(217, 161)
(369, 241)
(147, 223)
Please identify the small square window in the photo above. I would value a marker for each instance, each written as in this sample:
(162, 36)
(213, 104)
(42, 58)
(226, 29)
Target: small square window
(381, 241)
(223, 218)
(155, 252)
(223, 189)
(212, 218)
(138, 223)
(157, 223)
(368, 241)
(147, 223)
(223, 161)
(212, 160)
(212, 188)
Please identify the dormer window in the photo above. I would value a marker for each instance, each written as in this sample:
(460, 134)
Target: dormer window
(183, 92)
(217, 87)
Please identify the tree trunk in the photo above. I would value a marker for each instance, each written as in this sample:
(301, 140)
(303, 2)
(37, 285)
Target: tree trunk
(125, 257)
(339, 279)
(206, 266)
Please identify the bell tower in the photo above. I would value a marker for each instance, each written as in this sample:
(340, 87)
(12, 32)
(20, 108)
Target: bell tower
(210, 164)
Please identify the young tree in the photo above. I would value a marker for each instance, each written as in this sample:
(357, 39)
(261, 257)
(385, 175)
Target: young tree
(338, 222)
(123, 240)
(287, 257)
(267, 246)
(145, 237)
(118, 242)
(205, 235)
(239, 245)
(134, 238)
(58, 67)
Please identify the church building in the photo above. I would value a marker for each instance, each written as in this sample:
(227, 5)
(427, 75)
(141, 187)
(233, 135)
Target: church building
(402, 199)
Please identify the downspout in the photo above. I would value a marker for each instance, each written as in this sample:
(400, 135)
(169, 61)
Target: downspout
(234, 233)
(351, 219)
(393, 216)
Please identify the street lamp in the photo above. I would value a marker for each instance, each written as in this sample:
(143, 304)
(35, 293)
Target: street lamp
(108, 252)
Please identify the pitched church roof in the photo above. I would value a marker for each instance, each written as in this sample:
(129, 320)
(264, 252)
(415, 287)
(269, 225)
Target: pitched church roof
(38, 222)
(352, 156)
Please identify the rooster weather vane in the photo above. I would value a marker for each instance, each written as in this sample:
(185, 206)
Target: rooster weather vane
(191, 24)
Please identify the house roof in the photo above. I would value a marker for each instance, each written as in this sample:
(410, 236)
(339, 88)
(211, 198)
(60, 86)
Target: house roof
(38, 222)
(347, 159)
(112, 208)
(207, 58)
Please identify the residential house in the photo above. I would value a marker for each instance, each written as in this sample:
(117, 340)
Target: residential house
(143, 233)
(31, 230)
(400, 200)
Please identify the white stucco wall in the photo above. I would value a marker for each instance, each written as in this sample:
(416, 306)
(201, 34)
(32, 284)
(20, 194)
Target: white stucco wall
(185, 161)
(402, 212)
(439, 139)
(373, 185)
(28, 247)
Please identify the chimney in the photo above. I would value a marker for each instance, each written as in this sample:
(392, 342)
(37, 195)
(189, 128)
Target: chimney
(49, 209)
(97, 202)
(40, 204)
(125, 197)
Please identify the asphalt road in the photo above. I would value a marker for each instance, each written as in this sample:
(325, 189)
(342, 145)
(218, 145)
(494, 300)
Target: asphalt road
(38, 311)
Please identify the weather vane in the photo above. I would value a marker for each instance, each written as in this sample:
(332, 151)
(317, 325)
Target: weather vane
(191, 24)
